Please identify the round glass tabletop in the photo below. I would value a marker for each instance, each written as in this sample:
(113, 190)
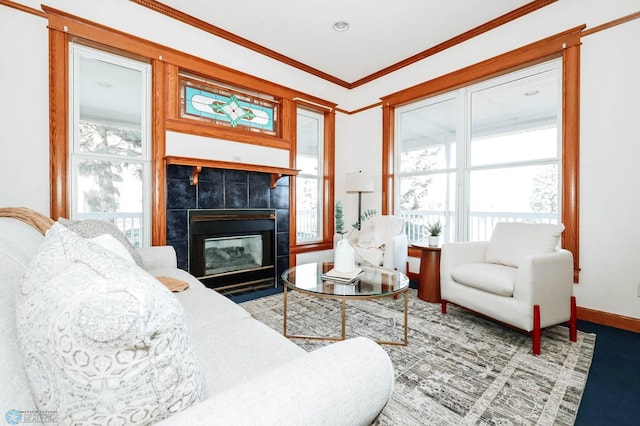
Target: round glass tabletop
(372, 282)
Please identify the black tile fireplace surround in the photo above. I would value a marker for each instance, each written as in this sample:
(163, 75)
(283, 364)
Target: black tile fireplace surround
(224, 189)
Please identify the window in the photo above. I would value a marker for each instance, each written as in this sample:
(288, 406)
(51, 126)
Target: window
(309, 182)
(109, 141)
(225, 105)
(482, 154)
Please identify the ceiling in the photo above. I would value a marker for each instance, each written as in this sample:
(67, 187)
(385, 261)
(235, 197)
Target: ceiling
(381, 32)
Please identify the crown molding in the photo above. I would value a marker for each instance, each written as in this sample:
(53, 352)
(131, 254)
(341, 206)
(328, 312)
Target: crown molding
(156, 6)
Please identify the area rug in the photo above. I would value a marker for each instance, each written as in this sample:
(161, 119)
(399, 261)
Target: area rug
(458, 369)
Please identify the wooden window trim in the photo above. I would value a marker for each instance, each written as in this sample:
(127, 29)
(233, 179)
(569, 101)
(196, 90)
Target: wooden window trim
(166, 65)
(328, 182)
(565, 45)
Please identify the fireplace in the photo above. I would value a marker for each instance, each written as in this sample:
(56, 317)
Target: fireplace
(233, 250)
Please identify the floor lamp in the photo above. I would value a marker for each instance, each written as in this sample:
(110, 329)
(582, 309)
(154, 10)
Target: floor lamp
(359, 182)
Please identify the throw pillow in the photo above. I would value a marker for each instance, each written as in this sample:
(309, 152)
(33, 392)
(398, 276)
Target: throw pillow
(102, 342)
(89, 228)
(511, 242)
(386, 227)
(365, 235)
(109, 242)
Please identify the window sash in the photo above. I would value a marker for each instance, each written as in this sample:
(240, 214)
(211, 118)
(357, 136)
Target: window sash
(134, 222)
(310, 159)
(455, 212)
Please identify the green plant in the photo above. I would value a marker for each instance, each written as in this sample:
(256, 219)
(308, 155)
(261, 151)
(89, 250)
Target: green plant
(434, 229)
(339, 215)
(364, 216)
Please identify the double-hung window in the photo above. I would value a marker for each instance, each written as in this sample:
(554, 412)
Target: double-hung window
(109, 140)
(482, 154)
(309, 182)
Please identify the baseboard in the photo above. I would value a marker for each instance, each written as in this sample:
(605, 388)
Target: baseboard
(609, 319)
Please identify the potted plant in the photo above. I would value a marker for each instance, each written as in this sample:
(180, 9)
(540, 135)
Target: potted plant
(434, 229)
(339, 215)
(344, 255)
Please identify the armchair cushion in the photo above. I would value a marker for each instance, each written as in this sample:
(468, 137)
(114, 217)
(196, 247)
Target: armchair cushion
(511, 242)
(489, 277)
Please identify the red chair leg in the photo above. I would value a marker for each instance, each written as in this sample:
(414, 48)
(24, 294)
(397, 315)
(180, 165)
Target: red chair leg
(573, 321)
(444, 306)
(536, 329)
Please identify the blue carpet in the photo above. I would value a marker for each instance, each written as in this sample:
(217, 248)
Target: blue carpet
(612, 393)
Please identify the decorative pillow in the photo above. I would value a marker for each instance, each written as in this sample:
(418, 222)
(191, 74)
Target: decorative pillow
(513, 241)
(109, 242)
(365, 236)
(386, 227)
(89, 228)
(102, 341)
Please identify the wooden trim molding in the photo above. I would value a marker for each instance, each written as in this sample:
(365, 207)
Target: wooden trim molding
(481, 29)
(609, 319)
(571, 154)
(611, 24)
(58, 123)
(248, 44)
(23, 8)
(158, 150)
(198, 163)
(565, 45)
(198, 128)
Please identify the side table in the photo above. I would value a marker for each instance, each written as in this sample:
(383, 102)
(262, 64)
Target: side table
(429, 282)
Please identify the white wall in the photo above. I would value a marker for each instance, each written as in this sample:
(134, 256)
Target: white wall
(609, 171)
(24, 111)
(609, 126)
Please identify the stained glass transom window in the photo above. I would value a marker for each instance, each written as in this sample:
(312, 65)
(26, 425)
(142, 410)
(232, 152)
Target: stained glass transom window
(228, 106)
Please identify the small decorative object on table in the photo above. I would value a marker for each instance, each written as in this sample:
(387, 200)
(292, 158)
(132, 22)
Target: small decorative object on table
(343, 277)
(344, 257)
(434, 230)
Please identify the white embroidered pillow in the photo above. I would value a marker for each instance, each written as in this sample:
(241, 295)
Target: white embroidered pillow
(103, 342)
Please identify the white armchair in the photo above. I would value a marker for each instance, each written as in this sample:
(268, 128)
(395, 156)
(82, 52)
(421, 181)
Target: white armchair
(519, 278)
(381, 241)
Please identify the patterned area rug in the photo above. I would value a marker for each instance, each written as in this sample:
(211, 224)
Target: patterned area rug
(458, 369)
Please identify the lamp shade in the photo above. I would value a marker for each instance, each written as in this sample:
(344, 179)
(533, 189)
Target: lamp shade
(359, 182)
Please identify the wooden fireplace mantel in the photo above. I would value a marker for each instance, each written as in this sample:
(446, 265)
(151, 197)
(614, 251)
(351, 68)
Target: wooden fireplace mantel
(198, 164)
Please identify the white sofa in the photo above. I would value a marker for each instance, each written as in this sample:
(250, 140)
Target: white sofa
(253, 374)
(519, 278)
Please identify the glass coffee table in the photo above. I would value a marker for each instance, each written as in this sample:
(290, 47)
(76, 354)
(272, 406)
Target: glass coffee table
(373, 283)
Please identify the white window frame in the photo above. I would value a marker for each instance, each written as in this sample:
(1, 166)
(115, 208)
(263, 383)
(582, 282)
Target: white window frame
(463, 168)
(75, 156)
(319, 117)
